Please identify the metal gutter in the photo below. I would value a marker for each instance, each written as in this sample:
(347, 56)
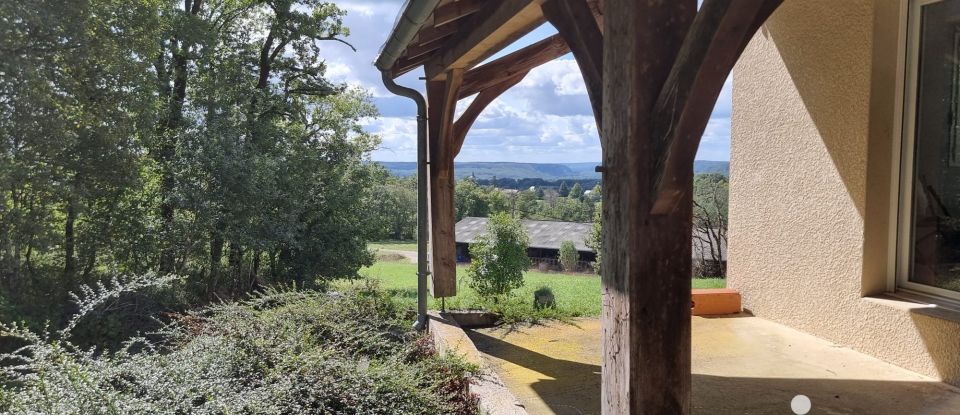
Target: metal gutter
(408, 23)
(422, 224)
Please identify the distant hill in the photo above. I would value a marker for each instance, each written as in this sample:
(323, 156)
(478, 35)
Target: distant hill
(546, 171)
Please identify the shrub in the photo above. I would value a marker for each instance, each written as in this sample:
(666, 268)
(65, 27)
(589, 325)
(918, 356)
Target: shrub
(569, 256)
(281, 352)
(543, 298)
(499, 257)
(594, 241)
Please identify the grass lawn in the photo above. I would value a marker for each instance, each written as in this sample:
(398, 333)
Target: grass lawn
(577, 295)
(394, 245)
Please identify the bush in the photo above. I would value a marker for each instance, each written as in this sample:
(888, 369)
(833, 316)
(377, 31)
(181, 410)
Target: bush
(543, 298)
(499, 257)
(282, 352)
(569, 256)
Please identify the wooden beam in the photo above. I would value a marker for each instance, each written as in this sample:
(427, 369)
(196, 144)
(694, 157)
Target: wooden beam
(575, 20)
(428, 40)
(456, 10)
(717, 37)
(433, 33)
(404, 65)
(496, 25)
(442, 101)
(521, 61)
(416, 51)
(466, 120)
(646, 259)
(596, 6)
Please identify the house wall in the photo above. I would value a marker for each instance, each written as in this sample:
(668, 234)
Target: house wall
(814, 108)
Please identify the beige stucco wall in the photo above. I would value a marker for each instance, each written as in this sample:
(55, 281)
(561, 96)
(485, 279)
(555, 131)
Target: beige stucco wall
(813, 115)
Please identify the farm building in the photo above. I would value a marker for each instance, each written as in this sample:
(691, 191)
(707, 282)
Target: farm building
(545, 239)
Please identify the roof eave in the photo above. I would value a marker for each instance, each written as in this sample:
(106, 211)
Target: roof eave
(409, 22)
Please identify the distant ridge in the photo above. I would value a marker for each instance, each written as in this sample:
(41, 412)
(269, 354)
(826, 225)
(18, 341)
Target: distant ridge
(546, 171)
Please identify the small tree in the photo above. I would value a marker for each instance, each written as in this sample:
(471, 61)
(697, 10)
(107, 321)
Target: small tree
(595, 239)
(569, 256)
(563, 191)
(710, 207)
(499, 257)
(576, 191)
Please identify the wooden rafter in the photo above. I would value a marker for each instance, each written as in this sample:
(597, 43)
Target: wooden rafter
(520, 61)
(456, 10)
(428, 40)
(576, 21)
(496, 25)
(486, 96)
(418, 50)
(717, 37)
(432, 33)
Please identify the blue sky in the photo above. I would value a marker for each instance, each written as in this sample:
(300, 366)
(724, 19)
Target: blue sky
(545, 119)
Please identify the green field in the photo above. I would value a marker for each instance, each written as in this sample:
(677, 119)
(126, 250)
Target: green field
(577, 295)
(393, 245)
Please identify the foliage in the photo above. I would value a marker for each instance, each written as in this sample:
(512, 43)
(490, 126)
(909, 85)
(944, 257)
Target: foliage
(277, 352)
(472, 199)
(198, 138)
(595, 239)
(543, 298)
(394, 202)
(564, 191)
(569, 257)
(710, 210)
(576, 191)
(499, 257)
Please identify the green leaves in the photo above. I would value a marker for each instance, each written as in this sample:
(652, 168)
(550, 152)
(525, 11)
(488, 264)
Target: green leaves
(198, 137)
(499, 257)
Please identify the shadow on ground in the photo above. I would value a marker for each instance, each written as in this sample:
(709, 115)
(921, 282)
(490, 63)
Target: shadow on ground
(547, 384)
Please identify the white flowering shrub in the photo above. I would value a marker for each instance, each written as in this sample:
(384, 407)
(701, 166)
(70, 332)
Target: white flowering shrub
(282, 352)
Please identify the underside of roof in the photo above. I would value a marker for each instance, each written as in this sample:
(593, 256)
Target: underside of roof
(443, 34)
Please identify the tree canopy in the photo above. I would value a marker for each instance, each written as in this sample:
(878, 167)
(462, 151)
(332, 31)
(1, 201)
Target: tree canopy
(199, 138)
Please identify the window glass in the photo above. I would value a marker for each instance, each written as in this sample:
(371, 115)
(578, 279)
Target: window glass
(935, 236)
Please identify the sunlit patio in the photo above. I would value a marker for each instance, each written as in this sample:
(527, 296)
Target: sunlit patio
(741, 365)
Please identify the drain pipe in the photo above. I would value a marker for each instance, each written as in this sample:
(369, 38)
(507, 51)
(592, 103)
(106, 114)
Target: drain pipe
(422, 270)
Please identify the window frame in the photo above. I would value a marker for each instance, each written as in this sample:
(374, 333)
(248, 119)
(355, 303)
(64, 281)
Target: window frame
(904, 162)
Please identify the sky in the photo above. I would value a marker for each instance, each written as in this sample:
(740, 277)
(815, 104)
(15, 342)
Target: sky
(546, 118)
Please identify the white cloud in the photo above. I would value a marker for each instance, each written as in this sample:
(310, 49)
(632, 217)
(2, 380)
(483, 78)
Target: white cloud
(545, 118)
(563, 75)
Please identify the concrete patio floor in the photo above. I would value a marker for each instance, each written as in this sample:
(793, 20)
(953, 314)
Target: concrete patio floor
(741, 365)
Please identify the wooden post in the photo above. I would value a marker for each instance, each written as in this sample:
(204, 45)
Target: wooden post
(441, 105)
(646, 261)
(664, 65)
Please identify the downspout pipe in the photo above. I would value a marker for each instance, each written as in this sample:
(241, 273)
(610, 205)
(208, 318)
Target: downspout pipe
(409, 22)
(422, 230)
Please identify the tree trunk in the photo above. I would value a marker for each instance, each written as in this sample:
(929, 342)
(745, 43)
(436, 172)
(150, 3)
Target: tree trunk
(256, 270)
(216, 255)
(168, 133)
(236, 260)
(69, 245)
(91, 262)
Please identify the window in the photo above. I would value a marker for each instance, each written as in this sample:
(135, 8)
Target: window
(929, 241)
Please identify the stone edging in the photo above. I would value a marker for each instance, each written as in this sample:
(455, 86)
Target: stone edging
(449, 337)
